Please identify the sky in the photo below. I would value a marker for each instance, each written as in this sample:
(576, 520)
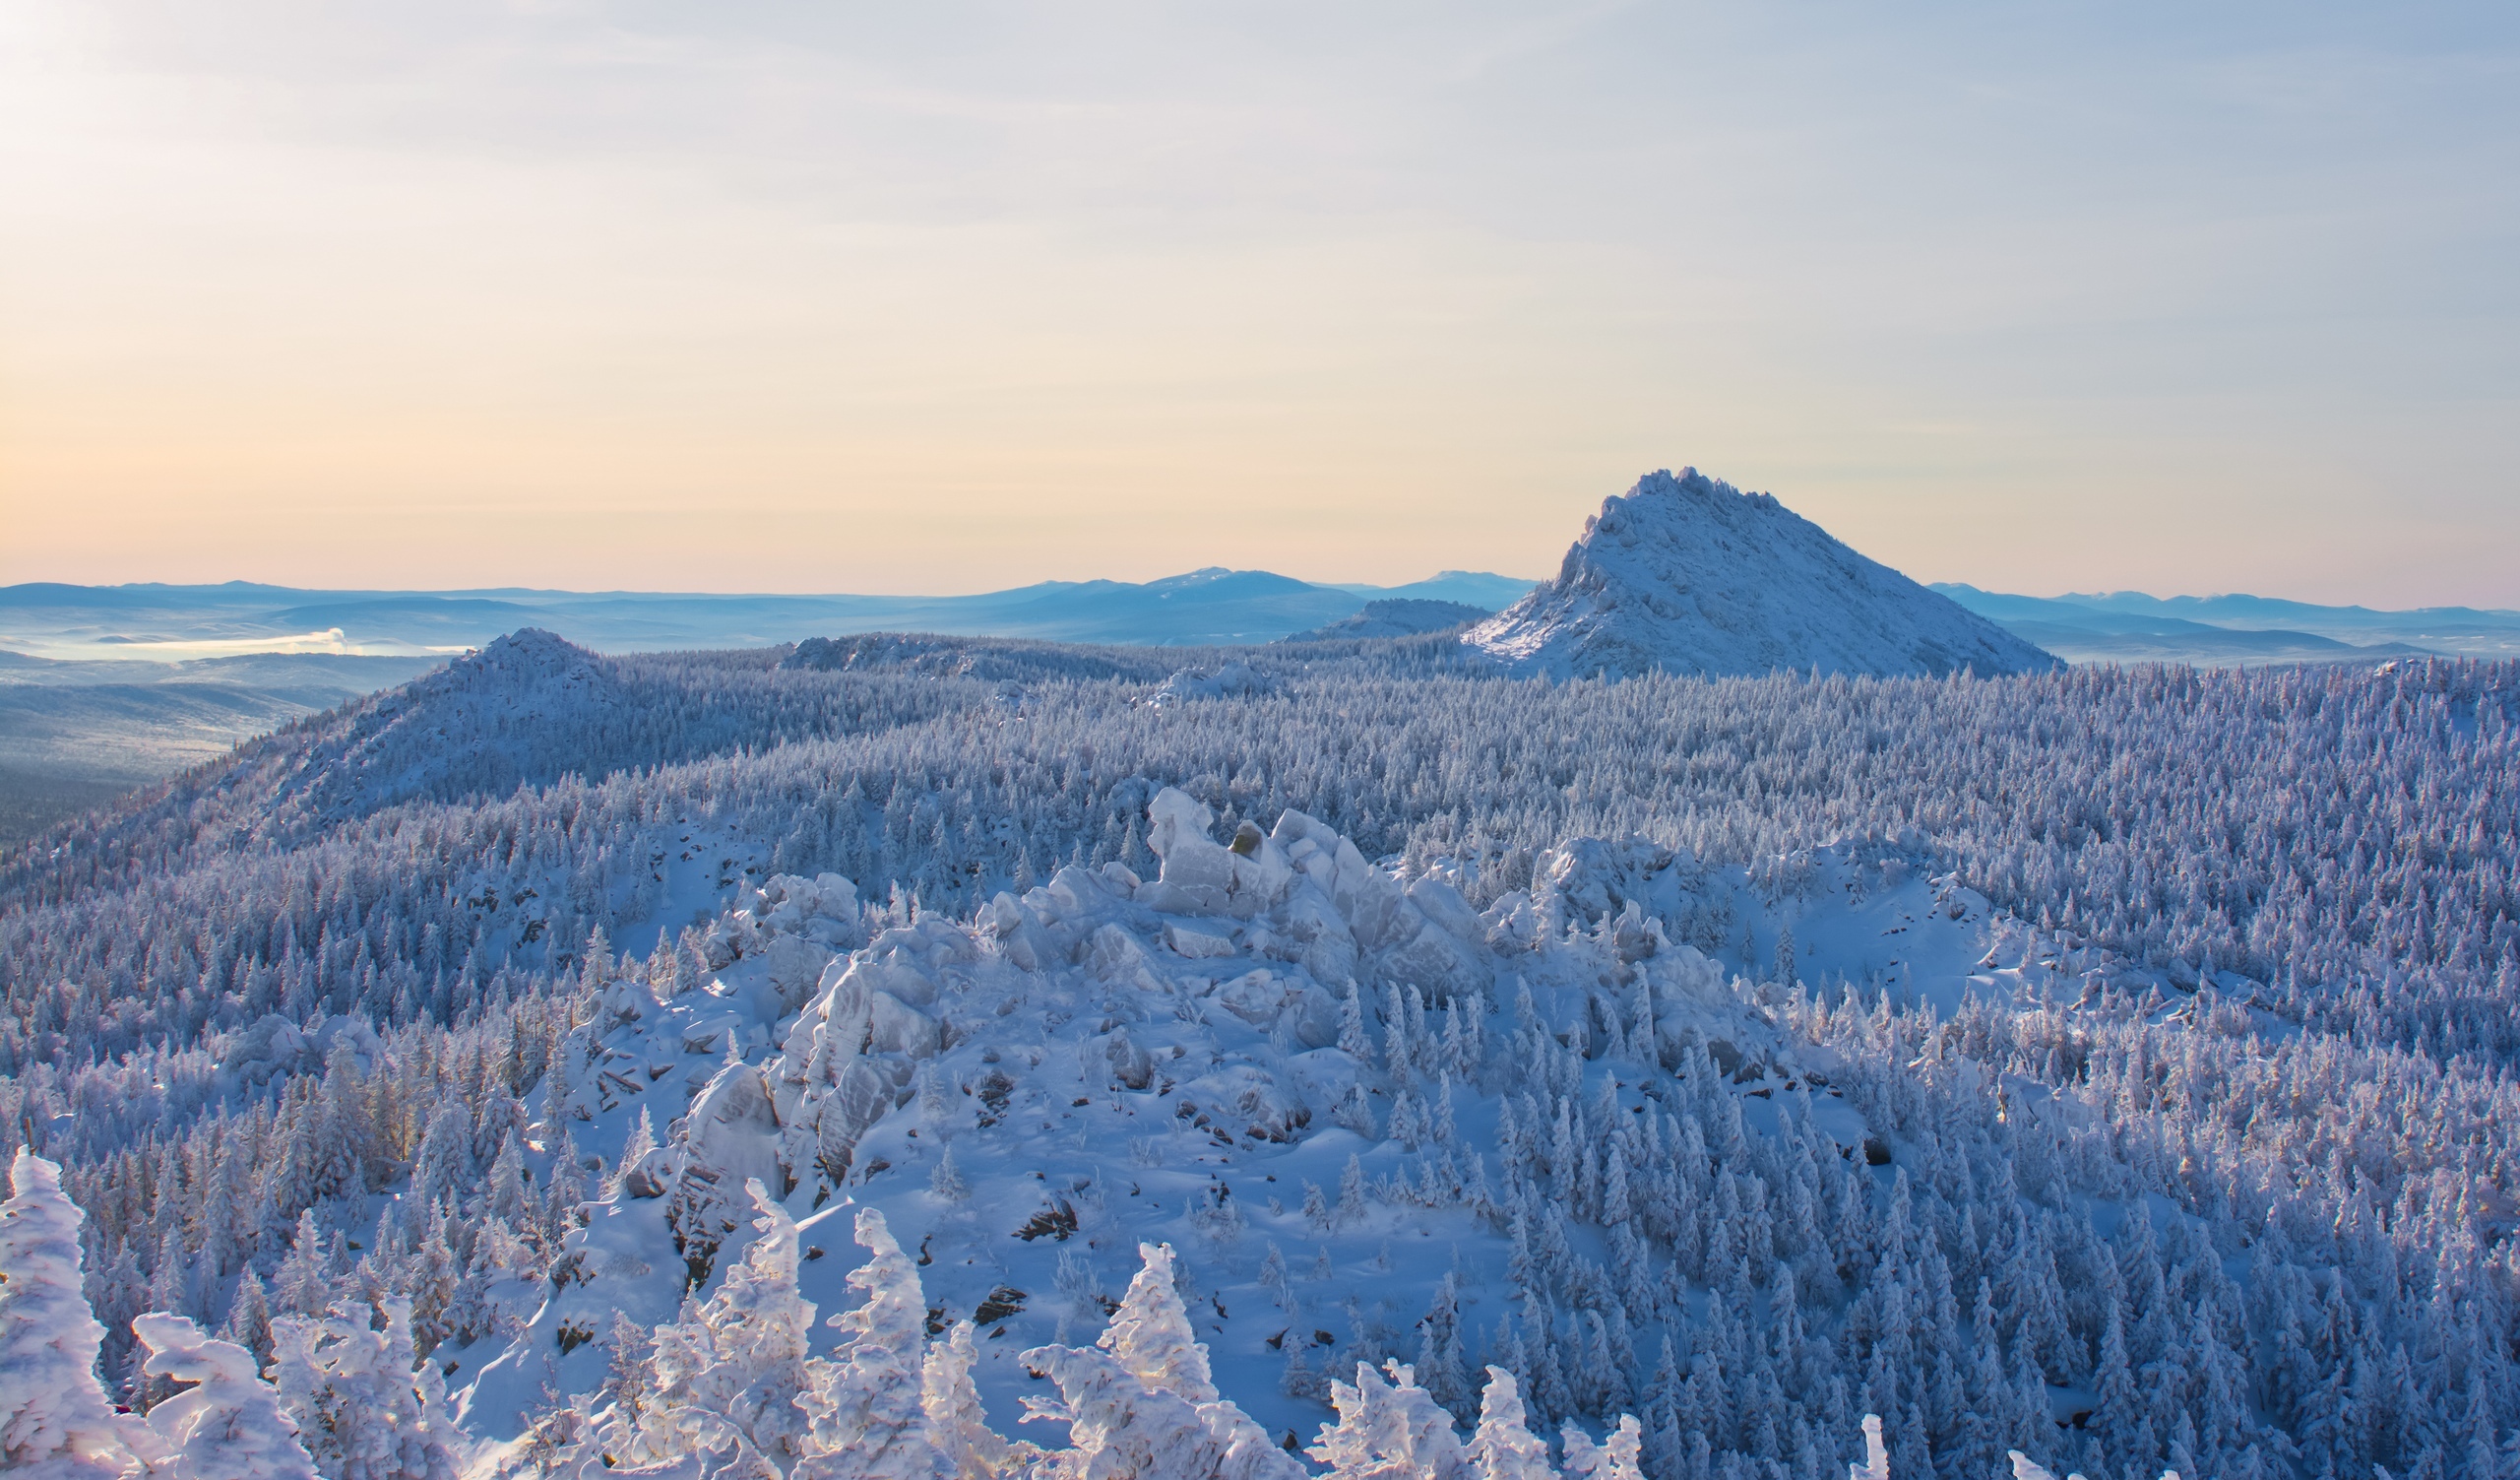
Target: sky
(945, 297)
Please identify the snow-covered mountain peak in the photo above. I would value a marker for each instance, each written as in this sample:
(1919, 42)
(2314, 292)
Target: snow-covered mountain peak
(1688, 574)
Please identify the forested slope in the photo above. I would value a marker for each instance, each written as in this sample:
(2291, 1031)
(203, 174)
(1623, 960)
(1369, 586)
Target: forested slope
(2195, 1128)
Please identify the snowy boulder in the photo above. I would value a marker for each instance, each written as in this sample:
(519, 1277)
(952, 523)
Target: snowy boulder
(1131, 1064)
(1076, 900)
(1440, 964)
(1634, 938)
(732, 1130)
(823, 909)
(897, 972)
(859, 1098)
(653, 1174)
(1002, 916)
(1175, 814)
(896, 1027)
(1257, 998)
(1596, 876)
(1441, 903)
(1201, 875)
(1312, 1018)
(726, 940)
(1197, 941)
(835, 898)
(1264, 1108)
(1366, 898)
(1018, 933)
(1316, 935)
(796, 968)
(1119, 958)
(712, 1034)
(628, 999)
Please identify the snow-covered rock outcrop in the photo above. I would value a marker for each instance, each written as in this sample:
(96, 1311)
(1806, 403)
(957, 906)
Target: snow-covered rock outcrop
(1690, 575)
(1333, 1089)
(1393, 616)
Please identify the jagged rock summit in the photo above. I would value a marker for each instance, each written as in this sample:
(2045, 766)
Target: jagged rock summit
(1691, 575)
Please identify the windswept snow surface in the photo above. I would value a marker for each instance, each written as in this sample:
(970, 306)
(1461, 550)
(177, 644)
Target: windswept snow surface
(1109, 1060)
(1690, 575)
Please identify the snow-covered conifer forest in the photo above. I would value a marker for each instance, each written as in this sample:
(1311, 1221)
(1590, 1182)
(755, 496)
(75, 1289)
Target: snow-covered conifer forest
(953, 1058)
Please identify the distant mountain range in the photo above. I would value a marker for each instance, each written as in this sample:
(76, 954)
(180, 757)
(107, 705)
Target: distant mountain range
(1212, 607)
(1203, 608)
(1685, 578)
(2128, 627)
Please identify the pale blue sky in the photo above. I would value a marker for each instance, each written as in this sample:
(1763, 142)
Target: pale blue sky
(826, 297)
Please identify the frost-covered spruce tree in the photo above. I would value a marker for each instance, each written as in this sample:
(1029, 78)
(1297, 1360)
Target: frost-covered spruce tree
(1503, 1447)
(1141, 1402)
(1388, 1430)
(737, 1361)
(866, 1405)
(228, 1424)
(54, 1421)
(1613, 1458)
(1876, 1453)
(366, 1405)
(956, 1425)
(1150, 1333)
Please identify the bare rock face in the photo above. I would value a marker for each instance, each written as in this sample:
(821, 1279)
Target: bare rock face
(1690, 575)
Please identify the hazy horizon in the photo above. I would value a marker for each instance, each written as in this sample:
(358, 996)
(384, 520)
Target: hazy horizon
(2066, 594)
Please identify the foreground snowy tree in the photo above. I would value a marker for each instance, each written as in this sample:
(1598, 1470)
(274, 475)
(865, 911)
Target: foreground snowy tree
(1140, 1401)
(735, 1366)
(1150, 1335)
(54, 1421)
(366, 1405)
(1613, 1458)
(1503, 1447)
(867, 1405)
(1389, 1431)
(1876, 1453)
(228, 1425)
(956, 1426)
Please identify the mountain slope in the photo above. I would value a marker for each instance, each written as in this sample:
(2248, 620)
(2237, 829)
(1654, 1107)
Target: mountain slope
(1690, 575)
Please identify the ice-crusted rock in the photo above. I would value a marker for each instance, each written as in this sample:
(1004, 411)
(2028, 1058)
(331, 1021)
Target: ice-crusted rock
(1690, 575)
